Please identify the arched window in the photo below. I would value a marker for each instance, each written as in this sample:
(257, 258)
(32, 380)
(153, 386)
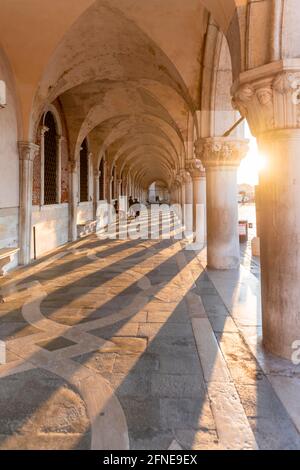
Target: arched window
(50, 160)
(84, 172)
(101, 180)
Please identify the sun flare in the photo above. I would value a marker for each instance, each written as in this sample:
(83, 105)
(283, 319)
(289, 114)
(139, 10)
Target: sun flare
(252, 164)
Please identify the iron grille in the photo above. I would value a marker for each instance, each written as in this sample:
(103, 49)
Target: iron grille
(50, 161)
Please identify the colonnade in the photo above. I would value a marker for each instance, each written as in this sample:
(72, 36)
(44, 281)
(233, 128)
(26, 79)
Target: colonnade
(269, 98)
(207, 190)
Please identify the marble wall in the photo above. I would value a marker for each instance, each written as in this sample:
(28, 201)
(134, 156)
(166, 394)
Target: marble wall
(102, 214)
(9, 231)
(84, 212)
(9, 164)
(51, 224)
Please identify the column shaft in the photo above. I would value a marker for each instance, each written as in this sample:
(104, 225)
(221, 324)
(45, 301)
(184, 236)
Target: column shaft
(280, 240)
(199, 209)
(223, 248)
(96, 188)
(221, 157)
(73, 200)
(183, 200)
(28, 152)
(189, 207)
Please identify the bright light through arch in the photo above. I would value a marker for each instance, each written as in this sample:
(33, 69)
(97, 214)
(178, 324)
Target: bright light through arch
(252, 164)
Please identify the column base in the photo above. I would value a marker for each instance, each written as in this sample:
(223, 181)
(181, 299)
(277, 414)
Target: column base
(281, 351)
(195, 247)
(224, 265)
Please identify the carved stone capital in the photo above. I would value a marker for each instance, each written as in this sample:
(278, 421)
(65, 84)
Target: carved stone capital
(217, 152)
(182, 176)
(195, 167)
(178, 180)
(97, 174)
(28, 151)
(269, 96)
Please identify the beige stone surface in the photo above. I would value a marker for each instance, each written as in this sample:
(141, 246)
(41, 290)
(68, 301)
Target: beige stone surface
(137, 96)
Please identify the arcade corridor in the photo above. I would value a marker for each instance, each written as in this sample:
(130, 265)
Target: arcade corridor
(109, 108)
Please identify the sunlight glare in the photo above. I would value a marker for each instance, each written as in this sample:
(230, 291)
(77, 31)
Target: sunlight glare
(253, 164)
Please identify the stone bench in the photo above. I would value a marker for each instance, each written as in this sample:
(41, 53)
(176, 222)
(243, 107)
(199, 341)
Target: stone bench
(87, 228)
(6, 256)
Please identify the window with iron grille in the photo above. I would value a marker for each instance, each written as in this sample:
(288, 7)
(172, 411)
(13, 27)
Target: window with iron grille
(101, 180)
(50, 161)
(84, 176)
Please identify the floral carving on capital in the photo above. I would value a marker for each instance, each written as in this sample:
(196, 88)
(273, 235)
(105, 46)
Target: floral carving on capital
(283, 82)
(195, 166)
(28, 151)
(270, 102)
(223, 152)
(242, 98)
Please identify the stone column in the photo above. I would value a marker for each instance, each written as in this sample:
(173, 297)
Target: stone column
(125, 187)
(90, 177)
(73, 199)
(27, 152)
(280, 239)
(119, 188)
(59, 140)
(176, 193)
(129, 188)
(183, 199)
(44, 130)
(269, 98)
(179, 193)
(104, 180)
(197, 173)
(199, 208)
(221, 157)
(96, 192)
(109, 194)
(188, 213)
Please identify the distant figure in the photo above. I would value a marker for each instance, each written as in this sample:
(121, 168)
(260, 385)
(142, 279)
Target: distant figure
(130, 202)
(116, 206)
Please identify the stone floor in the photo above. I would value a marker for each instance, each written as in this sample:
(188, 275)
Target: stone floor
(115, 344)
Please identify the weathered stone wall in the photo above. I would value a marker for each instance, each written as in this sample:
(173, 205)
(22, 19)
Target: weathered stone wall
(9, 163)
(9, 227)
(51, 228)
(102, 214)
(85, 212)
